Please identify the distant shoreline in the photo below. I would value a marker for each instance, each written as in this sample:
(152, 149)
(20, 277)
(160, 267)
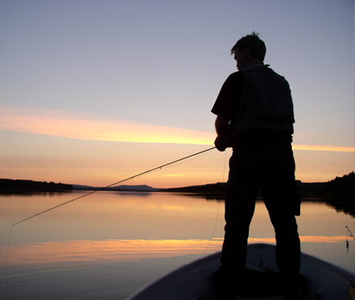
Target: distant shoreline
(339, 192)
(20, 186)
(309, 190)
(338, 187)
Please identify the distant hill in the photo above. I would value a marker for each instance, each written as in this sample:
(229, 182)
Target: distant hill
(217, 190)
(10, 186)
(125, 188)
(339, 192)
(340, 186)
(133, 188)
(307, 190)
(343, 187)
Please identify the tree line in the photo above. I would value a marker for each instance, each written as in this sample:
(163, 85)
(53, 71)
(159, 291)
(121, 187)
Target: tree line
(17, 185)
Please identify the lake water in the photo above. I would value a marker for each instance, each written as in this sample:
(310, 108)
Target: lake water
(107, 245)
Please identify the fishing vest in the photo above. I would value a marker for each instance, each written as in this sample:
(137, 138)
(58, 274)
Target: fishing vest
(265, 102)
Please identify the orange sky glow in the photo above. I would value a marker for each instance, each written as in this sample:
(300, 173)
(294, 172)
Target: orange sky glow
(84, 148)
(87, 127)
(67, 125)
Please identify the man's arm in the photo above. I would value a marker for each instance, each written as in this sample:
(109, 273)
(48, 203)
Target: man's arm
(221, 125)
(223, 134)
(224, 108)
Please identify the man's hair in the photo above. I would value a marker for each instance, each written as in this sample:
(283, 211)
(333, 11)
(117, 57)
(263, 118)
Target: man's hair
(253, 43)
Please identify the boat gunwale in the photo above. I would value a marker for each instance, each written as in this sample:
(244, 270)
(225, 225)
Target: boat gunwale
(313, 260)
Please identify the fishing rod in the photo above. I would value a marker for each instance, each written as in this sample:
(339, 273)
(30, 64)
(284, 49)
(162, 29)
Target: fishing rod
(113, 184)
(349, 232)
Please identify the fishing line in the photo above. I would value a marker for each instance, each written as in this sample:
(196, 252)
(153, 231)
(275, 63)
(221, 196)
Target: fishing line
(219, 205)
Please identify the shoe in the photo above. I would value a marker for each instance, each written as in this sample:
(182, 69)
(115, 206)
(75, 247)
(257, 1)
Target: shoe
(225, 282)
(294, 288)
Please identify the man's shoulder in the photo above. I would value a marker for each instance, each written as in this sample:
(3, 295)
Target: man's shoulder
(262, 71)
(236, 77)
(237, 74)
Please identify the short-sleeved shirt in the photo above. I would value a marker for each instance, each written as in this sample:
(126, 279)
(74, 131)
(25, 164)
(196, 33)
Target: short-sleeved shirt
(229, 95)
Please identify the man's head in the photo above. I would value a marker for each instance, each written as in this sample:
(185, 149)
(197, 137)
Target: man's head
(249, 50)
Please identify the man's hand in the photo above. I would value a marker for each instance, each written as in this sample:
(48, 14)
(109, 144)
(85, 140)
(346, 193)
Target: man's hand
(224, 137)
(222, 142)
(219, 144)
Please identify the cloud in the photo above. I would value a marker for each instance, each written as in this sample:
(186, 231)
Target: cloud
(85, 126)
(75, 125)
(323, 148)
(173, 175)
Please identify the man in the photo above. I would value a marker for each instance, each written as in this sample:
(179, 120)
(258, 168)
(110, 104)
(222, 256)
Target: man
(255, 117)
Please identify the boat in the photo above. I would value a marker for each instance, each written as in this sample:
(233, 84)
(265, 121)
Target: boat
(322, 280)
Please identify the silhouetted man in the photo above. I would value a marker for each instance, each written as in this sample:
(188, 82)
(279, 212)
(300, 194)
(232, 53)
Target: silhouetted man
(255, 117)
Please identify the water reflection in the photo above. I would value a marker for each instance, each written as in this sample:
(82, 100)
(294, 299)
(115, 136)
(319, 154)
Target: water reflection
(80, 251)
(345, 205)
(109, 244)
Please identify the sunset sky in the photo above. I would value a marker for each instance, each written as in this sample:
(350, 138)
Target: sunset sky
(92, 92)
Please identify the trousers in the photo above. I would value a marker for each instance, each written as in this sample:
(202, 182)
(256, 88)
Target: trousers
(267, 168)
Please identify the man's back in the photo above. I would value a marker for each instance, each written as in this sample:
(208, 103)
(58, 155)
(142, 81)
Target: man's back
(265, 102)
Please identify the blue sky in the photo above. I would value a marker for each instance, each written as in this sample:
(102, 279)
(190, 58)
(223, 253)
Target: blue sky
(162, 63)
